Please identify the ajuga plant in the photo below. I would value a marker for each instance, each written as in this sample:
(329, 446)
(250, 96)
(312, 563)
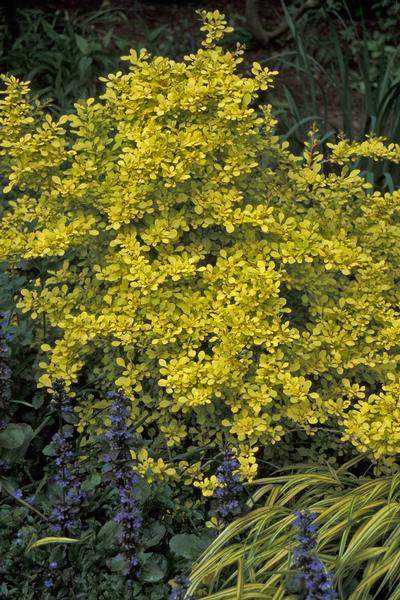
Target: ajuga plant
(181, 586)
(65, 516)
(227, 500)
(315, 533)
(231, 289)
(120, 471)
(315, 581)
(5, 369)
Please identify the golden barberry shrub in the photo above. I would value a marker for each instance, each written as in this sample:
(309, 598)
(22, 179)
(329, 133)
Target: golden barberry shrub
(232, 289)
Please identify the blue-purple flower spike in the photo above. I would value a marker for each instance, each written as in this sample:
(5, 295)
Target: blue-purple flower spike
(316, 581)
(50, 581)
(5, 369)
(65, 515)
(119, 468)
(180, 590)
(227, 498)
(61, 400)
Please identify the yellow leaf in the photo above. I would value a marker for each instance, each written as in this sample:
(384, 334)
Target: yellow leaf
(52, 540)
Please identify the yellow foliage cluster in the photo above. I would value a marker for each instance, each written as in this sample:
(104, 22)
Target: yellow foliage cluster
(231, 289)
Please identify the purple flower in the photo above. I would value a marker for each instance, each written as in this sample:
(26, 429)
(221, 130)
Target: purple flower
(182, 584)
(18, 494)
(316, 581)
(51, 578)
(5, 370)
(61, 401)
(19, 538)
(227, 503)
(64, 516)
(118, 465)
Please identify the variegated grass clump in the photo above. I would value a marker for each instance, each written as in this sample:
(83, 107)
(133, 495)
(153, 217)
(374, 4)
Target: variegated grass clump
(358, 539)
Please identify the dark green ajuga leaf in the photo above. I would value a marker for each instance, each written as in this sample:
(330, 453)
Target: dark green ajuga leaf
(158, 592)
(107, 535)
(118, 564)
(70, 418)
(143, 491)
(49, 450)
(91, 482)
(15, 435)
(153, 534)
(187, 545)
(37, 401)
(154, 569)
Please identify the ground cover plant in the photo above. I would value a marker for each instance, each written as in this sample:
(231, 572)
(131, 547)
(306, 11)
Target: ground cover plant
(189, 306)
(91, 527)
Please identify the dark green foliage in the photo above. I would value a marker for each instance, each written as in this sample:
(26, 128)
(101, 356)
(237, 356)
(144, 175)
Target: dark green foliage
(91, 569)
(64, 54)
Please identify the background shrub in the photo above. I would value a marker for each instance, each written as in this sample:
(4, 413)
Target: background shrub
(63, 53)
